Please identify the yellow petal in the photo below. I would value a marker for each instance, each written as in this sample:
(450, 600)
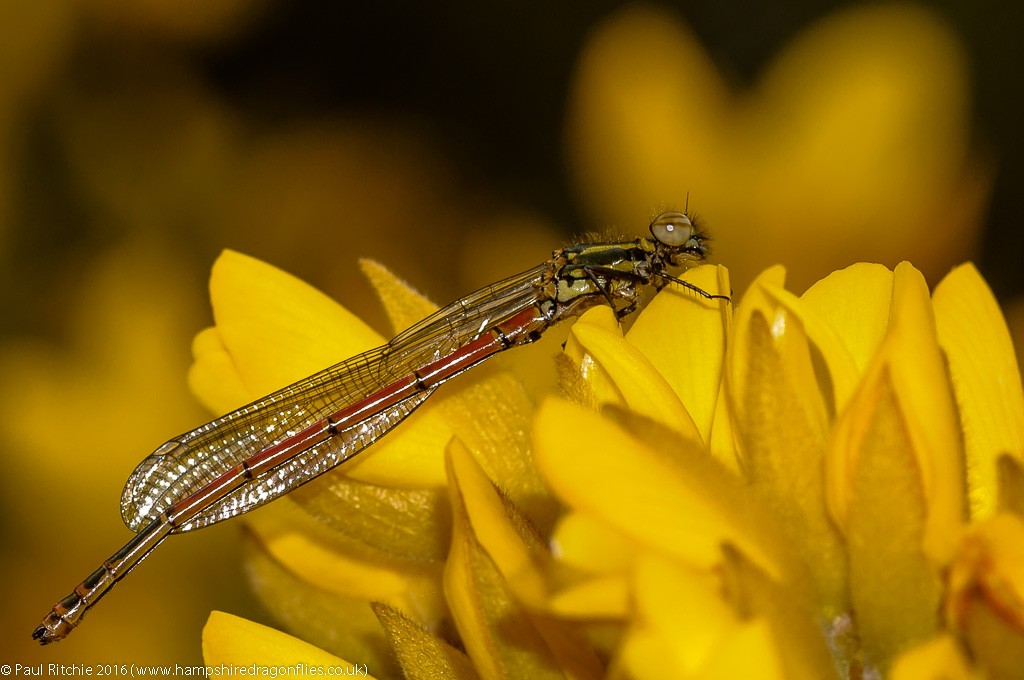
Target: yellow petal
(986, 378)
(782, 406)
(488, 548)
(923, 386)
(724, 444)
(937, 659)
(749, 651)
(837, 372)
(411, 456)
(685, 508)
(642, 388)
(835, 369)
(584, 542)
(855, 302)
(213, 377)
(509, 541)
(488, 409)
(642, 655)
(581, 377)
(233, 641)
(479, 599)
(277, 328)
(422, 655)
(304, 548)
(817, 133)
(595, 598)
(685, 608)
(683, 335)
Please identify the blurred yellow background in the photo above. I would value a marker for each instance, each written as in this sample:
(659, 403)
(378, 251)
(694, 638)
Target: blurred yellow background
(455, 143)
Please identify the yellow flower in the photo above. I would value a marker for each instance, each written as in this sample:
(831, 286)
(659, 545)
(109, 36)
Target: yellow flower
(853, 143)
(860, 430)
(814, 486)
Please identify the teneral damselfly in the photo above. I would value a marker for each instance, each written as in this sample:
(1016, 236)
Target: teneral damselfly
(264, 450)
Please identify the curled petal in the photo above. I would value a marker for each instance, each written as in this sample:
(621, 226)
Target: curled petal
(896, 478)
(923, 385)
(776, 377)
(490, 546)
(581, 376)
(642, 387)
(909, 368)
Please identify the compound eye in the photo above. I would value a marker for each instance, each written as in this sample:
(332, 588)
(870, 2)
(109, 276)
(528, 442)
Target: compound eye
(672, 228)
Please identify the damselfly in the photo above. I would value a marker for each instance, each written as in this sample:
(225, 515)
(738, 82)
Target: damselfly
(275, 444)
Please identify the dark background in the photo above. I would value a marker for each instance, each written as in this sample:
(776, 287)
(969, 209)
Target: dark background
(492, 79)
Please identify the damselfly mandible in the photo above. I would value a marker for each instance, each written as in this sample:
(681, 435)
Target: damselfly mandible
(264, 450)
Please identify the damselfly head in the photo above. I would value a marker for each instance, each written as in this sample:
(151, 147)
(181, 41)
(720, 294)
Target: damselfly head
(681, 240)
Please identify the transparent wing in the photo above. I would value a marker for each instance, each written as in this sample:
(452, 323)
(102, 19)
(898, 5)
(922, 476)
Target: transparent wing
(449, 328)
(303, 468)
(187, 463)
